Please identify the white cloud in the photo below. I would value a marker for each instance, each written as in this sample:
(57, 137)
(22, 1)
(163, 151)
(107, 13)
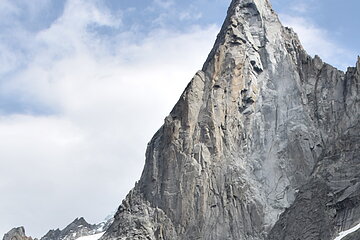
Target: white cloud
(319, 41)
(164, 3)
(190, 15)
(8, 59)
(30, 9)
(7, 8)
(110, 95)
(300, 7)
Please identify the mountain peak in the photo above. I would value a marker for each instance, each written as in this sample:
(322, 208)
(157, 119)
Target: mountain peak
(17, 233)
(262, 144)
(80, 221)
(249, 131)
(79, 227)
(251, 29)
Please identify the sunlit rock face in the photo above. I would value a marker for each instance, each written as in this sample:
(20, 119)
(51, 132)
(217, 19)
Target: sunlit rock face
(263, 144)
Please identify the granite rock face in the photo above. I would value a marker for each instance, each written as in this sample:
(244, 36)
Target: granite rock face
(16, 234)
(330, 201)
(262, 144)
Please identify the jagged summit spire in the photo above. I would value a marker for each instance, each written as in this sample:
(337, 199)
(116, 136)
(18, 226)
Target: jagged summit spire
(245, 135)
(253, 24)
(16, 233)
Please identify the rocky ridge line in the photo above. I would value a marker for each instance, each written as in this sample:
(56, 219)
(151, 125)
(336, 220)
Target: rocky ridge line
(77, 229)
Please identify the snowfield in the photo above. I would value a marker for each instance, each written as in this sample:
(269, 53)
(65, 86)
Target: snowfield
(91, 237)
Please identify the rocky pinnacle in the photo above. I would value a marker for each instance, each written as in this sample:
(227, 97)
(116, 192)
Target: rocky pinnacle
(17, 234)
(262, 144)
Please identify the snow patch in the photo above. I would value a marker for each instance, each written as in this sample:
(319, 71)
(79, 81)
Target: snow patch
(91, 237)
(347, 232)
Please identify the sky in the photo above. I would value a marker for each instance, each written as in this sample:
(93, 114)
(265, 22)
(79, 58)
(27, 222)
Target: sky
(84, 84)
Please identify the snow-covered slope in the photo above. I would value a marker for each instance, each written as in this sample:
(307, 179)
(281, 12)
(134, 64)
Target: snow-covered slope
(91, 237)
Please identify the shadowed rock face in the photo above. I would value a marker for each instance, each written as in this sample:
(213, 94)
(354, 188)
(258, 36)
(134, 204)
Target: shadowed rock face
(262, 144)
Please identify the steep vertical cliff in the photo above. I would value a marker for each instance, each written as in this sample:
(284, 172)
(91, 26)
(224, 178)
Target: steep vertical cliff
(263, 143)
(330, 201)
